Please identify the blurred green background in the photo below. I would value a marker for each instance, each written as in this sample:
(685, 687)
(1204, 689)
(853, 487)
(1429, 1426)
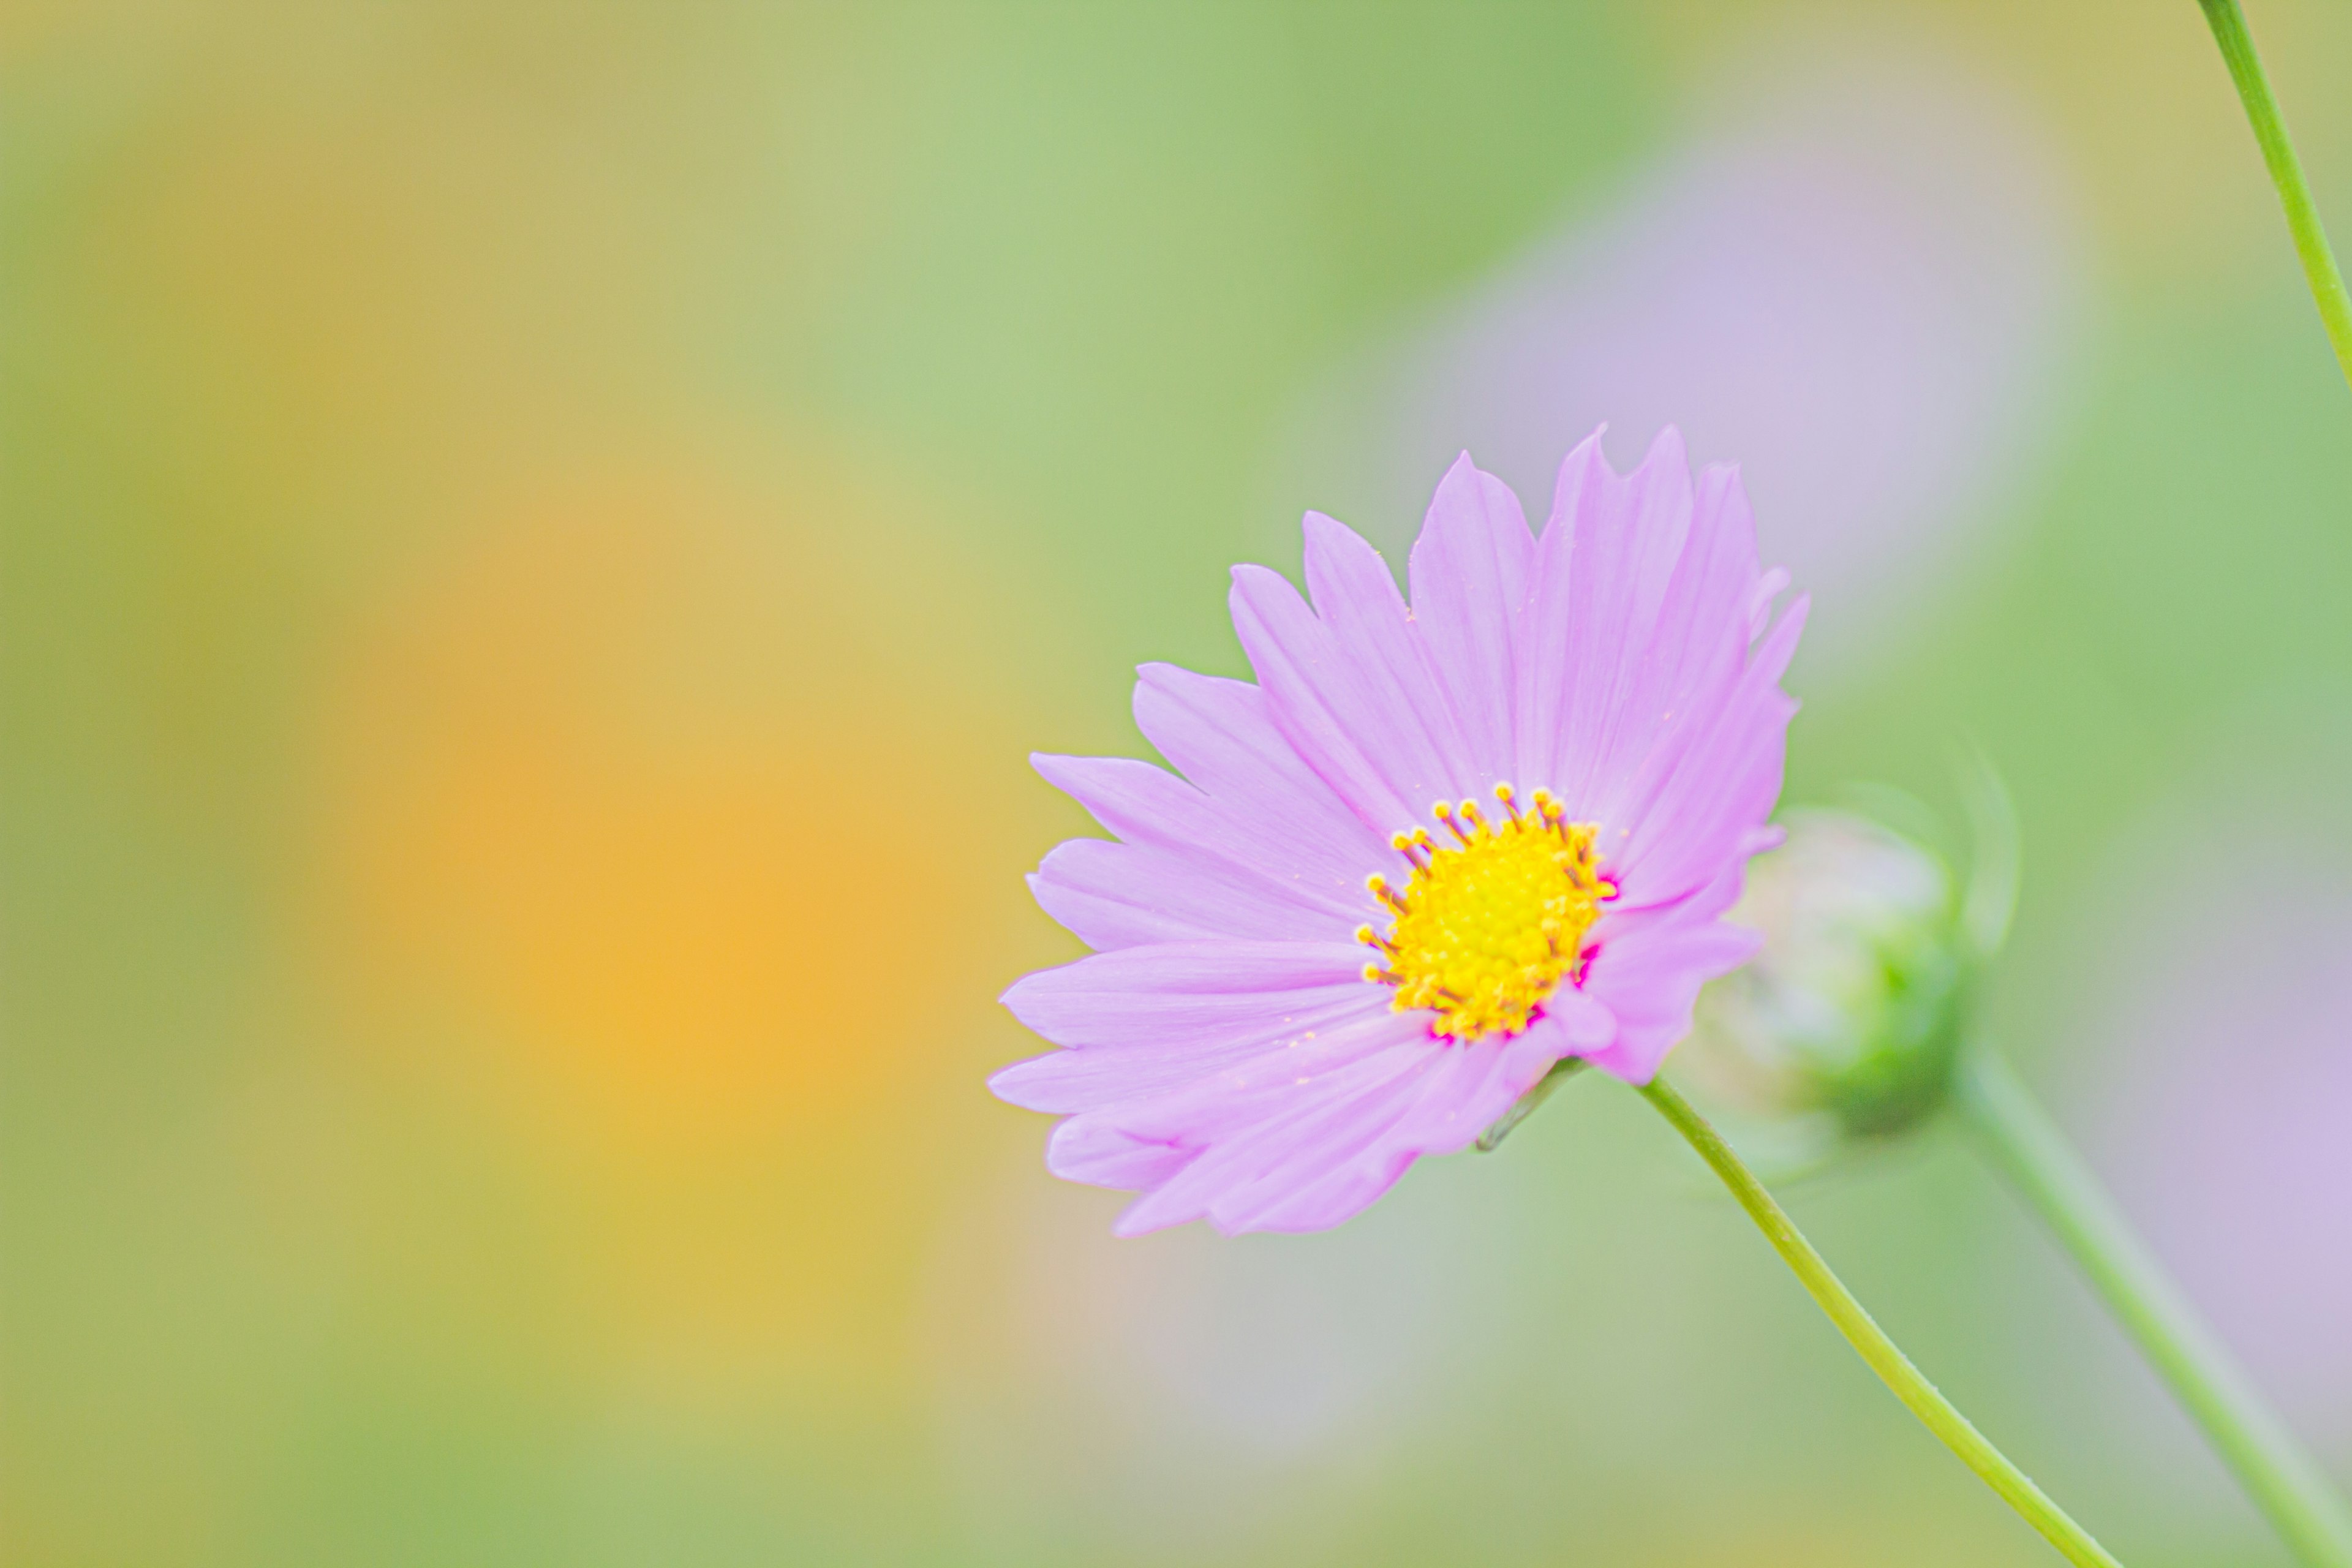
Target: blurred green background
(538, 539)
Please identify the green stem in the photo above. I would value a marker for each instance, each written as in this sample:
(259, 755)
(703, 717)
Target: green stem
(2036, 1156)
(2229, 24)
(1884, 1357)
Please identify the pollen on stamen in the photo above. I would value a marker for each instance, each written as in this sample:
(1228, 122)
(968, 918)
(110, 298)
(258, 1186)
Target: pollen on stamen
(1483, 934)
(1410, 846)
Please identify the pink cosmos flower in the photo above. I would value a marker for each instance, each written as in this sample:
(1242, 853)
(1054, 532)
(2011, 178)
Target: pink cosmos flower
(1528, 799)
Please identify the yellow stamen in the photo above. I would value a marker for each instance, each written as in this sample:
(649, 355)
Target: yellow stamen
(1485, 933)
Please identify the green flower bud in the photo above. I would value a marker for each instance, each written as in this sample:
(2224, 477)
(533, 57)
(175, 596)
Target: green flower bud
(1853, 1009)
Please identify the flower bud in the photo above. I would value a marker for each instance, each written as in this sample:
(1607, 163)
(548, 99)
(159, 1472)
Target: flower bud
(1854, 1006)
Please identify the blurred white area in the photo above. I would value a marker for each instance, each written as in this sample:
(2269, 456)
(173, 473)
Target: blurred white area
(1865, 283)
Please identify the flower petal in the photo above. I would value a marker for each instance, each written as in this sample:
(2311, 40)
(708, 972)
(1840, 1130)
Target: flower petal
(1369, 1093)
(1082, 1149)
(1328, 708)
(1171, 992)
(1150, 805)
(1332, 1174)
(1422, 744)
(1650, 967)
(1470, 577)
(1700, 642)
(1584, 1022)
(1114, 895)
(1303, 1152)
(1233, 1095)
(1094, 1077)
(1708, 783)
(1221, 734)
(1629, 538)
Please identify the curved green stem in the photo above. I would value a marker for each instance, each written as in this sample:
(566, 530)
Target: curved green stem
(2026, 1144)
(2229, 24)
(1884, 1357)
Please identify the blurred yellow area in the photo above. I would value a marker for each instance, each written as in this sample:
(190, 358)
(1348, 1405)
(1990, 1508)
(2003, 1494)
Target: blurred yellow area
(637, 789)
(575, 824)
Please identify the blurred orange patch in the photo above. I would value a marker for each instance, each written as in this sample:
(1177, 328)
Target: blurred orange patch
(698, 816)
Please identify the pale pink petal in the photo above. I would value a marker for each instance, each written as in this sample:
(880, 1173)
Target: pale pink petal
(1354, 1159)
(1172, 990)
(1326, 1175)
(1221, 735)
(1649, 966)
(1688, 657)
(1369, 1093)
(1106, 1074)
(1628, 538)
(1139, 1105)
(1328, 708)
(1356, 597)
(1547, 676)
(1487, 1077)
(1584, 1023)
(1295, 1199)
(1245, 1088)
(1114, 895)
(1470, 571)
(1148, 804)
(1708, 794)
(1082, 1149)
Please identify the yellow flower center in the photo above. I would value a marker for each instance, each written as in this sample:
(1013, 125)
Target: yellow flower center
(1487, 926)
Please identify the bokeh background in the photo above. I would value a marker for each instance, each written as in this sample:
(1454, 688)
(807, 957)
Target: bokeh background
(538, 539)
